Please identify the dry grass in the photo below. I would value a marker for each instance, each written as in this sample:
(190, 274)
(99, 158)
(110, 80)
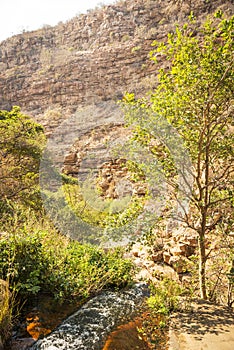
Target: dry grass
(5, 311)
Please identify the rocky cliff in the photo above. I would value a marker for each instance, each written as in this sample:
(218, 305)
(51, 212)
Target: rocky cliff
(93, 57)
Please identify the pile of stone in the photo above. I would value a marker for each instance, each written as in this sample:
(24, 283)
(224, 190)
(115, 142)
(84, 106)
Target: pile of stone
(171, 256)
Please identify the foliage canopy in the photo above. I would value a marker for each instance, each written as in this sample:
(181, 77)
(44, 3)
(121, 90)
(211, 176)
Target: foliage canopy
(21, 144)
(195, 96)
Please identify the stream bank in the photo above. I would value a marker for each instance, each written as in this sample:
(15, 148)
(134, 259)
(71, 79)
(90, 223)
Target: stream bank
(88, 328)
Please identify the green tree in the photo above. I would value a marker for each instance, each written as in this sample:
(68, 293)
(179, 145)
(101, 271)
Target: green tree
(21, 143)
(195, 96)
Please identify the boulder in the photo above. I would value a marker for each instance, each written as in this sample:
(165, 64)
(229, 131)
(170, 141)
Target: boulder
(157, 257)
(70, 158)
(178, 263)
(166, 257)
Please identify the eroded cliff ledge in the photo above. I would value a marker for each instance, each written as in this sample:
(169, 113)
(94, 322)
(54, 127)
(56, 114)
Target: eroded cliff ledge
(93, 57)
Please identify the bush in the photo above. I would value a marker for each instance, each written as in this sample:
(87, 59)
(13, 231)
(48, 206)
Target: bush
(165, 296)
(21, 145)
(163, 300)
(38, 259)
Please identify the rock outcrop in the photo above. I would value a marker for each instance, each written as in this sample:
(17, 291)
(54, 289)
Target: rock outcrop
(93, 57)
(170, 256)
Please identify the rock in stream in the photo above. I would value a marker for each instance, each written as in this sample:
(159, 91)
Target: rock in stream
(88, 328)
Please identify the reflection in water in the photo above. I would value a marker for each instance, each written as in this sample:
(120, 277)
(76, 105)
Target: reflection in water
(47, 315)
(35, 328)
(38, 320)
(142, 333)
(127, 337)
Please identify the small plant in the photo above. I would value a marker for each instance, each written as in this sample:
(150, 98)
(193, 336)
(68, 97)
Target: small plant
(163, 300)
(136, 48)
(165, 296)
(125, 38)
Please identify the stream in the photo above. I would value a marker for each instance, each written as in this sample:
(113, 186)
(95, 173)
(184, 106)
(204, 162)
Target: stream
(89, 327)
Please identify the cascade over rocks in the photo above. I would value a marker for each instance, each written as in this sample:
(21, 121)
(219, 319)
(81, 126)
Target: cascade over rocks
(88, 328)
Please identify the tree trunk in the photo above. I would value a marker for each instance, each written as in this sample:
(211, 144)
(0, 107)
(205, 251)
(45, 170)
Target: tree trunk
(202, 266)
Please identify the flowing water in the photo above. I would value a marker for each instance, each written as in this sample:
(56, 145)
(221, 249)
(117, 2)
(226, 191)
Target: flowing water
(89, 327)
(38, 319)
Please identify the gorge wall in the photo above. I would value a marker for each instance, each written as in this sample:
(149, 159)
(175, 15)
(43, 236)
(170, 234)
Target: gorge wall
(93, 57)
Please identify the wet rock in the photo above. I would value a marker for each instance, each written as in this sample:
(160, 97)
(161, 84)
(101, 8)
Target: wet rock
(89, 326)
(22, 344)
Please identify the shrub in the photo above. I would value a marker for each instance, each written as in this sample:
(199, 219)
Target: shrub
(163, 300)
(165, 296)
(36, 259)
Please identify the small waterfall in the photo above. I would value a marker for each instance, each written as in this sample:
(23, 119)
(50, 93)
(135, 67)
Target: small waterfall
(88, 328)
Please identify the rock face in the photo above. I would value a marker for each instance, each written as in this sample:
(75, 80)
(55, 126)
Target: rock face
(113, 178)
(93, 57)
(89, 326)
(82, 67)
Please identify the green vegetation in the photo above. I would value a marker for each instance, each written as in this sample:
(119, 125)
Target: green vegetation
(195, 96)
(34, 257)
(5, 312)
(21, 144)
(165, 298)
(104, 218)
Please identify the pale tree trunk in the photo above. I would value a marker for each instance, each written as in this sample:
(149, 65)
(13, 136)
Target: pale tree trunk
(202, 266)
(204, 194)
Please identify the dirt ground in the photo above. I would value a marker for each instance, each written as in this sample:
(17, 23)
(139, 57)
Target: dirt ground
(204, 327)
